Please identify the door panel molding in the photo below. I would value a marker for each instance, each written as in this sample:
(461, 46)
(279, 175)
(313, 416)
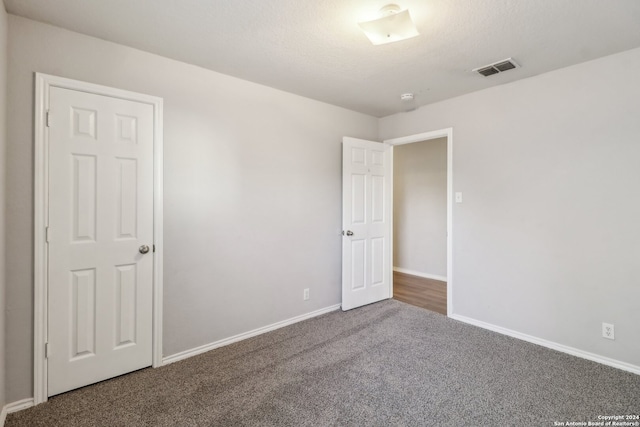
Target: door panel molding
(43, 84)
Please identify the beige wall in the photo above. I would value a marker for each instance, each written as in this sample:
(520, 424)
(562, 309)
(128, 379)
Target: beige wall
(3, 201)
(420, 207)
(547, 239)
(252, 196)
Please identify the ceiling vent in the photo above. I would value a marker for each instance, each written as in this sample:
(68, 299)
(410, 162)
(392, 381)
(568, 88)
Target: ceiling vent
(497, 67)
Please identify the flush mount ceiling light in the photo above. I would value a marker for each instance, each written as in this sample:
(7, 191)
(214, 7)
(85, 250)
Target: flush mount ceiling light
(393, 25)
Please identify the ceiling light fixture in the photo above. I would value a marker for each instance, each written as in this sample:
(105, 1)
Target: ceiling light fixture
(394, 25)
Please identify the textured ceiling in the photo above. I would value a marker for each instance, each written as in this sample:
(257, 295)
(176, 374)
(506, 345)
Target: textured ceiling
(314, 48)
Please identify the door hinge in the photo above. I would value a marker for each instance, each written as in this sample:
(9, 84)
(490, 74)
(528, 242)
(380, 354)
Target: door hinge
(48, 120)
(47, 234)
(46, 350)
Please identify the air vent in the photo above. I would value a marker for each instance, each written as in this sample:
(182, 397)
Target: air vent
(488, 71)
(497, 67)
(504, 66)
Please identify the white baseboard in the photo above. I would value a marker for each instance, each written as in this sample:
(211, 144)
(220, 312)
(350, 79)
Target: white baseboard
(226, 341)
(419, 274)
(15, 407)
(550, 344)
(27, 403)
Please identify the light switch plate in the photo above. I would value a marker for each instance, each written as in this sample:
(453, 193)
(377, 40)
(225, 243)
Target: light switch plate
(459, 197)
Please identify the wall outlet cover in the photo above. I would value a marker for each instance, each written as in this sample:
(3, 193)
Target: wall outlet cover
(608, 331)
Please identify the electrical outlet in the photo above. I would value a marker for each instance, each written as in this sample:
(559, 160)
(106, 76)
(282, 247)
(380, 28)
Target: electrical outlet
(305, 295)
(607, 331)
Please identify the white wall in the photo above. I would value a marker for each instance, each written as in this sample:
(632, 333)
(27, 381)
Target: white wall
(252, 200)
(420, 207)
(4, 27)
(547, 241)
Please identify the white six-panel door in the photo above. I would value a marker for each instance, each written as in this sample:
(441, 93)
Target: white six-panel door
(100, 219)
(366, 222)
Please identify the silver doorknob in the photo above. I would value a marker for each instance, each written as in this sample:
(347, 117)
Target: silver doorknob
(349, 233)
(143, 249)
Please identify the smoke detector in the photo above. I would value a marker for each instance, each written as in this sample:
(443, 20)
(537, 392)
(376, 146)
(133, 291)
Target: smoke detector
(497, 67)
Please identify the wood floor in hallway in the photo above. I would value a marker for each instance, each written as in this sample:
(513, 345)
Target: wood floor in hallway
(426, 293)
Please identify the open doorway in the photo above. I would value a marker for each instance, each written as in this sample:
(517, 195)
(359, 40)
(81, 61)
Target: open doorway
(420, 224)
(422, 185)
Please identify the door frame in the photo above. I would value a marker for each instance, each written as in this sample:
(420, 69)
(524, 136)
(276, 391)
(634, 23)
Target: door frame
(43, 84)
(425, 136)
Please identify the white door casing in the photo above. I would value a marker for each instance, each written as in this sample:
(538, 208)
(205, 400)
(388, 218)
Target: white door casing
(366, 222)
(99, 207)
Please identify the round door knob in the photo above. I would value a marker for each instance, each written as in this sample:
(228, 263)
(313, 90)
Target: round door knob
(143, 249)
(349, 233)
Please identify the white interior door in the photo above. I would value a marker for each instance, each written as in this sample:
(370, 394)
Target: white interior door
(100, 225)
(366, 222)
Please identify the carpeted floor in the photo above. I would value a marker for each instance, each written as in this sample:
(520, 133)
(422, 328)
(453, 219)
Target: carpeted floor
(387, 364)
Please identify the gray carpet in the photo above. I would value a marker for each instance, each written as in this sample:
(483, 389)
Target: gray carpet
(387, 364)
